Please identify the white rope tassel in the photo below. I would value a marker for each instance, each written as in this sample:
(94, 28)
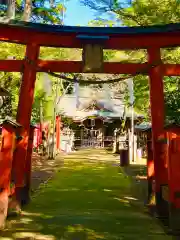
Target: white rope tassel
(76, 85)
(47, 84)
(131, 90)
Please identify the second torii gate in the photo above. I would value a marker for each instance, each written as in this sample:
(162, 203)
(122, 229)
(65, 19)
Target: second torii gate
(36, 35)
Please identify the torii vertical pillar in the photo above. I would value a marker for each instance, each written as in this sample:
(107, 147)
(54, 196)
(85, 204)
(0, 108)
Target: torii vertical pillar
(28, 165)
(150, 165)
(157, 117)
(23, 117)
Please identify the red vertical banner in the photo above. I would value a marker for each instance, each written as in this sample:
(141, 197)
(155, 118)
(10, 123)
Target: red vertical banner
(35, 139)
(40, 132)
(157, 118)
(6, 154)
(24, 116)
(58, 132)
(174, 177)
(37, 135)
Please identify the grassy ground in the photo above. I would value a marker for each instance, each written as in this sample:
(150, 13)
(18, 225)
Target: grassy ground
(88, 199)
(138, 176)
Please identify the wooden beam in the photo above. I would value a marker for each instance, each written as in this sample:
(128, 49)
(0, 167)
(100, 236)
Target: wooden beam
(25, 35)
(11, 65)
(76, 67)
(171, 69)
(60, 66)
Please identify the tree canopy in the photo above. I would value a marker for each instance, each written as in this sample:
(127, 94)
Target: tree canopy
(35, 11)
(39, 11)
(145, 13)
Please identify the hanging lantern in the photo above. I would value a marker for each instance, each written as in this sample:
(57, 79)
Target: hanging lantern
(92, 122)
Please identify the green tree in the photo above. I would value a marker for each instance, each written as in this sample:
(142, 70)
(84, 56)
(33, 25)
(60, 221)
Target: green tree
(145, 13)
(12, 81)
(35, 11)
(41, 11)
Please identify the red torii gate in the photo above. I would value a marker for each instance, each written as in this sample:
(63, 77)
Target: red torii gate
(36, 35)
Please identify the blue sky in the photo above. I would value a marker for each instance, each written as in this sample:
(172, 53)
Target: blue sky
(77, 14)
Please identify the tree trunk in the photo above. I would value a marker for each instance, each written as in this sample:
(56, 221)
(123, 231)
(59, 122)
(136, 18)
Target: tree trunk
(11, 8)
(27, 11)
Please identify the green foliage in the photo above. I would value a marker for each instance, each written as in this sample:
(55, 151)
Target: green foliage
(10, 81)
(144, 13)
(141, 96)
(41, 11)
(172, 99)
(68, 122)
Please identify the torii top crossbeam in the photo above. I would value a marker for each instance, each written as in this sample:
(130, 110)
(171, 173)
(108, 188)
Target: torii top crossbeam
(73, 37)
(65, 36)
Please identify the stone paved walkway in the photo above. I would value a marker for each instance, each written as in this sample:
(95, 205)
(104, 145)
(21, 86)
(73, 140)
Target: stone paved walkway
(88, 198)
(43, 169)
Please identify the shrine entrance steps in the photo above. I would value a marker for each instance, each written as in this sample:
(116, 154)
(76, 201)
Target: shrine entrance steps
(88, 198)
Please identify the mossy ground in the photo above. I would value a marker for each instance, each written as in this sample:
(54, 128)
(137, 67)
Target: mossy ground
(89, 198)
